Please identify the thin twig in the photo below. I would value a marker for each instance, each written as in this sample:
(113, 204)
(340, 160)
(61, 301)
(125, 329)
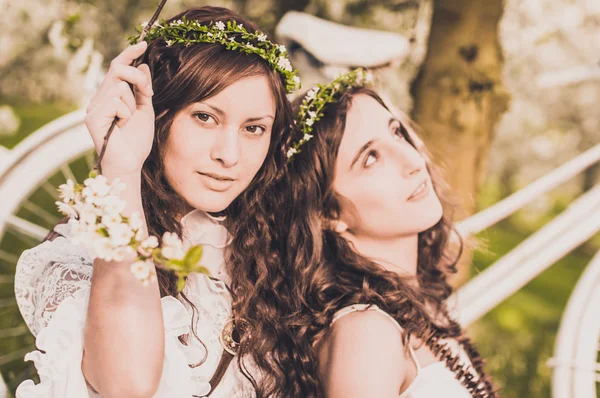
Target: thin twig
(98, 167)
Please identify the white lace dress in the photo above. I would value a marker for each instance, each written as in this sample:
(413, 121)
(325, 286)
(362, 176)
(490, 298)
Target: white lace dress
(52, 285)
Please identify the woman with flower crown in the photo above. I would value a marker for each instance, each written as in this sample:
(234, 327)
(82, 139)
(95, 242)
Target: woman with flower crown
(197, 148)
(368, 250)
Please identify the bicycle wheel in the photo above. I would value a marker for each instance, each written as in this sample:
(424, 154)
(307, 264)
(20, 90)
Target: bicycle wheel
(28, 189)
(576, 360)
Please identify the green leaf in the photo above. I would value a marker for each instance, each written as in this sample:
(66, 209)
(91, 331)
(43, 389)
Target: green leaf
(175, 265)
(180, 283)
(193, 256)
(202, 270)
(156, 256)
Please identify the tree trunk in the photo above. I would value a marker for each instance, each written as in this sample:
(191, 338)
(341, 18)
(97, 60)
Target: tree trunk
(459, 96)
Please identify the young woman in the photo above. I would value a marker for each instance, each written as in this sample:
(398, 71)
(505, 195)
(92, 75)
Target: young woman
(201, 133)
(369, 248)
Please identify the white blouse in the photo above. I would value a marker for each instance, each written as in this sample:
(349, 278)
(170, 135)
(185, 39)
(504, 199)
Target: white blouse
(433, 380)
(52, 286)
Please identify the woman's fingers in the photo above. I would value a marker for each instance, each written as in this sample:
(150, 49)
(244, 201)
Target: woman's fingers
(107, 111)
(130, 54)
(129, 74)
(143, 93)
(115, 97)
(123, 91)
(121, 110)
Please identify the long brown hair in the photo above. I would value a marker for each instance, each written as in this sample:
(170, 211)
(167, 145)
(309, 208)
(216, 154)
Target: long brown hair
(321, 272)
(184, 75)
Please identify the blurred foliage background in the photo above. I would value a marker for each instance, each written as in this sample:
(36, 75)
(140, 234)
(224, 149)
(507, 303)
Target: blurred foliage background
(504, 91)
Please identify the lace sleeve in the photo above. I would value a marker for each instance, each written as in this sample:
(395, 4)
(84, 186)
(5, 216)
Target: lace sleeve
(52, 286)
(46, 275)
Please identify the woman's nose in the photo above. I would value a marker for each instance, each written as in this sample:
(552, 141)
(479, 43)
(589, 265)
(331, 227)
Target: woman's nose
(411, 162)
(226, 148)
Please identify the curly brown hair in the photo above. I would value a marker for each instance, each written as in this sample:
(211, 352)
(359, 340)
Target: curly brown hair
(184, 75)
(290, 307)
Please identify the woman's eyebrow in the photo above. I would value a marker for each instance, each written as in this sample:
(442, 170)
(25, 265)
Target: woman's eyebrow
(220, 112)
(214, 108)
(393, 120)
(254, 119)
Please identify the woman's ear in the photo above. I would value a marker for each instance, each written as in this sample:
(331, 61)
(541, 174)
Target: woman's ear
(339, 226)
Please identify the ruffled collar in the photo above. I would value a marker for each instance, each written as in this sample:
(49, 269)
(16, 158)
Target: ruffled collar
(199, 228)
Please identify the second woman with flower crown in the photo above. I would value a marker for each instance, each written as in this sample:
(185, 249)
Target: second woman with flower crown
(369, 246)
(200, 146)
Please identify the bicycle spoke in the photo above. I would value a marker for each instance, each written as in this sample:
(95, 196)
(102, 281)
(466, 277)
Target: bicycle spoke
(44, 214)
(89, 160)
(13, 332)
(25, 374)
(27, 228)
(68, 173)
(9, 258)
(7, 302)
(19, 354)
(51, 190)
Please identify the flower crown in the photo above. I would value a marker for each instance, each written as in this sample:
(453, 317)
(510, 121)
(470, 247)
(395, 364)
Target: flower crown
(189, 32)
(311, 109)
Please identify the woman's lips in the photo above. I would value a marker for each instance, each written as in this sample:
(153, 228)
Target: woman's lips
(217, 182)
(420, 192)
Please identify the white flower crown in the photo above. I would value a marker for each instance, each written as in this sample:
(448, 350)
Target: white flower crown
(311, 109)
(189, 32)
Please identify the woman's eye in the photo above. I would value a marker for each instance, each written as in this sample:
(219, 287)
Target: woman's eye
(203, 117)
(255, 130)
(399, 134)
(371, 158)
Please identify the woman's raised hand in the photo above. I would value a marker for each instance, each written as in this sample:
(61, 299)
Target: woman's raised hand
(131, 140)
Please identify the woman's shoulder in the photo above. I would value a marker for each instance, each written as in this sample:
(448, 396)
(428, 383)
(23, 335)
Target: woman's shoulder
(364, 344)
(365, 312)
(365, 323)
(52, 256)
(362, 331)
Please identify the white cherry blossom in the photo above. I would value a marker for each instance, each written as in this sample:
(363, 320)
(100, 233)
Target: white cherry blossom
(67, 191)
(142, 269)
(120, 234)
(66, 209)
(172, 247)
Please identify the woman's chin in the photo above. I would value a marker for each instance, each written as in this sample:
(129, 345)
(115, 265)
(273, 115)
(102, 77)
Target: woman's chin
(429, 217)
(435, 215)
(211, 202)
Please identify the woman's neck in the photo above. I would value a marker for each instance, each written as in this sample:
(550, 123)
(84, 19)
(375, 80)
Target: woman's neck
(398, 255)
